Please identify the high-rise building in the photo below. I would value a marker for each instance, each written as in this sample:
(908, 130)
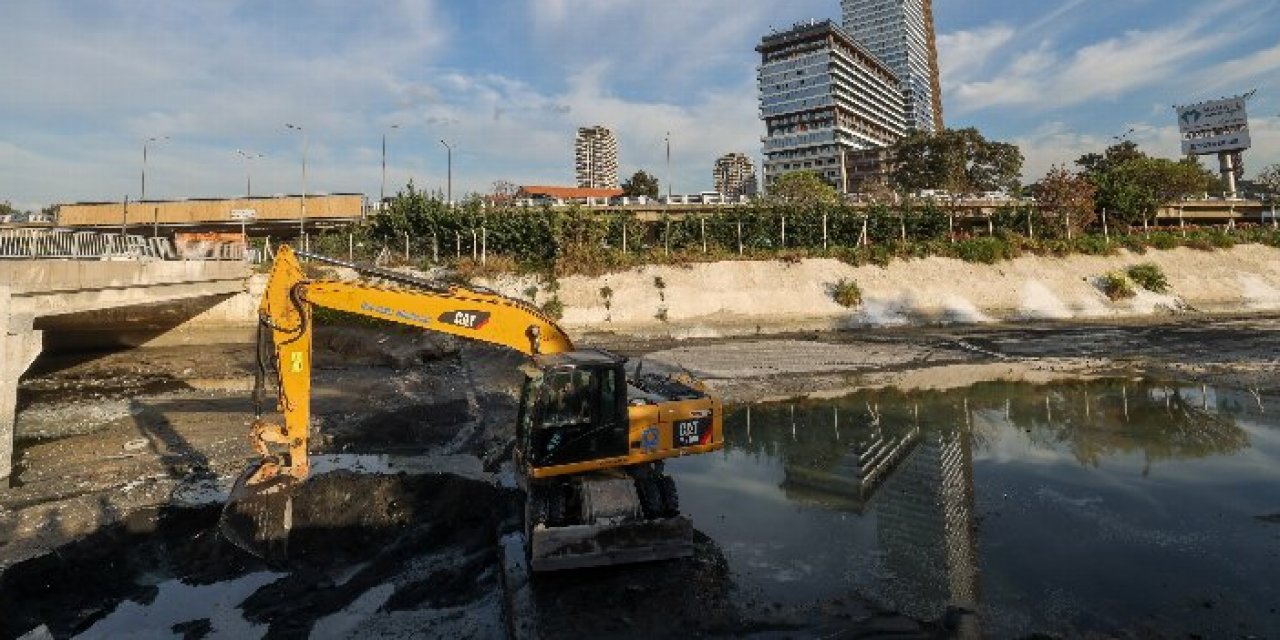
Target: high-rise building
(900, 33)
(595, 152)
(822, 95)
(735, 175)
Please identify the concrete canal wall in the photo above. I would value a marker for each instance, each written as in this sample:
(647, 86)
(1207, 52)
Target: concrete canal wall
(728, 298)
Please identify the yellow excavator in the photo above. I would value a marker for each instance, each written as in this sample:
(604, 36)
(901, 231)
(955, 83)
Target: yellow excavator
(589, 439)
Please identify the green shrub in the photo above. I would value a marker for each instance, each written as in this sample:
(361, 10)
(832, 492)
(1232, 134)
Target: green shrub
(1094, 246)
(1149, 276)
(1221, 239)
(1164, 240)
(553, 307)
(1134, 242)
(1199, 243)
(847, 293)
(1116, 285)
(984, 250)
(1057, 248)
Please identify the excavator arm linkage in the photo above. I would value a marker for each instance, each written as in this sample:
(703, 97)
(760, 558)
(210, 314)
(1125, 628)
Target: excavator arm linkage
(286, 313)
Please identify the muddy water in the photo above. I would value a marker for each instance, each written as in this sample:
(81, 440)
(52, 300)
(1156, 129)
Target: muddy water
(386, 554)
(1106, 507)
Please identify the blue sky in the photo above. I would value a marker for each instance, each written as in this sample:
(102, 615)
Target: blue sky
(507, 81)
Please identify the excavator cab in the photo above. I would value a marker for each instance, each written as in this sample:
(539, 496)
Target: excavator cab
(590, 445)
(573, 411)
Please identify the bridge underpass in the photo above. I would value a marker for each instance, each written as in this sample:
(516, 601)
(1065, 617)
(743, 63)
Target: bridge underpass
(37, 296)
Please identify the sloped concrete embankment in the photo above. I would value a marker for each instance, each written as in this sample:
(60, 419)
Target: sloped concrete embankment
(727, 298)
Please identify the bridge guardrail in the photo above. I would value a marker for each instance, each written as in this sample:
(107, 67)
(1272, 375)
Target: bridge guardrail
(90, 245)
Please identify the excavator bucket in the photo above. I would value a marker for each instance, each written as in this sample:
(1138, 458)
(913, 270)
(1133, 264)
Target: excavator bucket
(258, 515)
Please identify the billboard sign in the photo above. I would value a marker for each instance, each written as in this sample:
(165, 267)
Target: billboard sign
(1215, 114)
(1219, 143)
(244, 214)
(1214, 126)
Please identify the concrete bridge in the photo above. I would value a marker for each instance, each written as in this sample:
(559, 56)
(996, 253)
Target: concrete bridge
(35, 293)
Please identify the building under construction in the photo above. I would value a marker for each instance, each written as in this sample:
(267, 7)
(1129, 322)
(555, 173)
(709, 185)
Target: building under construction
(595, 152)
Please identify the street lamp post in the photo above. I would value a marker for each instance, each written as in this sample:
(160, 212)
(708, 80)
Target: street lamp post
(248, 179)
(668, 139)
(449, 184)
(382, 193)
(146, 142)
(302, 222)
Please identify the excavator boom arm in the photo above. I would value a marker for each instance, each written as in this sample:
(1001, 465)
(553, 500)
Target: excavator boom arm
(286, 310)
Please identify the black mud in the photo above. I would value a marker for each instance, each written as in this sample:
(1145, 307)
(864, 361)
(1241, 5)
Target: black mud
(352, 533)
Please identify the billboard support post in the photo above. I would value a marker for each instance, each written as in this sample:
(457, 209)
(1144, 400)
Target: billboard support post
(1226, 166)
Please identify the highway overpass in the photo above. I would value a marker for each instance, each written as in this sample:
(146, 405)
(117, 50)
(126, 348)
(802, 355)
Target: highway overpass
(35, 293)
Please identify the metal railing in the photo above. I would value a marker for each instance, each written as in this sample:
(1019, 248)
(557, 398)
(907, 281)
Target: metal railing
(89, 245)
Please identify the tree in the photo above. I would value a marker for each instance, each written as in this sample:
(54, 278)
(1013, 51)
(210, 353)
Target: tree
(411, 211)
(958, 160)
(804, 188)
(1135, 189)
(1132, 185)
(641, 183)
(1269, 178)
(1068, 198)
(504, 193)
(1095, 164)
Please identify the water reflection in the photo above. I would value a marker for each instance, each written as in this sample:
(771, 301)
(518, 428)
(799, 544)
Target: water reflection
(921, 483)
(956, 500)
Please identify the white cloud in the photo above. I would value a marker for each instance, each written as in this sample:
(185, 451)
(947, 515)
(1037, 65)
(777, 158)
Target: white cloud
(1046, 77)
(85, 83)
(1237, 73)
(215, 78)
(963, 55)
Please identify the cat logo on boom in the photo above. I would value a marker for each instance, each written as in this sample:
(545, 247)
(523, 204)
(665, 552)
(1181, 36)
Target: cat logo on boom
(465, 319)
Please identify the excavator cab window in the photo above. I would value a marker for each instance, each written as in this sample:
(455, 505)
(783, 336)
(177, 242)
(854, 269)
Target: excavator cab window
(574, 414)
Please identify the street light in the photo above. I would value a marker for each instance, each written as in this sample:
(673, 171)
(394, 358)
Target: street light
(302, 222)
(382, 193)
(144, 164)
(449, 191)
(248, 181)
(668, 139)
